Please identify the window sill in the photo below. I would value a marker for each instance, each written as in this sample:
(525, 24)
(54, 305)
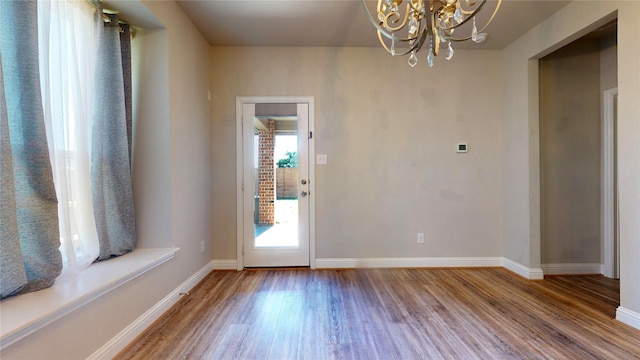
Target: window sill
(25, 314)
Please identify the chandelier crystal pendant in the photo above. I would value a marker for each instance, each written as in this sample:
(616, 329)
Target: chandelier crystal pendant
(427, 22)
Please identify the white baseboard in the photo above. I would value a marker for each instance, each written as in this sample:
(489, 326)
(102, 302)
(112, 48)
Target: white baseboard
(404, 262)
(128, 334)
(526, 272)
(628, 317)
(571, 268)
(225, 264)
(430, 262)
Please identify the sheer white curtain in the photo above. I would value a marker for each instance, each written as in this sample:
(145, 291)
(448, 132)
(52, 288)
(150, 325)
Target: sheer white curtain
(67, 40)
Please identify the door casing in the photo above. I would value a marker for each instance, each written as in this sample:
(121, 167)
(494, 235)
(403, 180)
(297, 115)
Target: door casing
(240, 232)
(610, 246)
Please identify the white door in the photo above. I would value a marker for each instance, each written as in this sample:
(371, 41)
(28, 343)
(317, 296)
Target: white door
(275, 199)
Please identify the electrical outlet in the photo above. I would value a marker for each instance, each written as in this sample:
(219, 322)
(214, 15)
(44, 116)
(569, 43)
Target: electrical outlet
(420, 239)
(202, 246)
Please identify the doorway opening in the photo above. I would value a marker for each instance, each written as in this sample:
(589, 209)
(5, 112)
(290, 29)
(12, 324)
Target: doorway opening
(577, 156)
(275, 218)
(276, 190)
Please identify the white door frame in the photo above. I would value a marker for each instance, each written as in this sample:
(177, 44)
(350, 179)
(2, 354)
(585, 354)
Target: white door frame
(610, 253)
(240, 101)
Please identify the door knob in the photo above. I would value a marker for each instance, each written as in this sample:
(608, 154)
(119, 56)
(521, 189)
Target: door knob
(303, 194)
(303, 182)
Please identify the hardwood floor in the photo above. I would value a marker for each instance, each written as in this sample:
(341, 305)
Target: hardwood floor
(486, 313)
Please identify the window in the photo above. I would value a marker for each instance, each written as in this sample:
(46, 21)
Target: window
(67, 53)
(66, 119)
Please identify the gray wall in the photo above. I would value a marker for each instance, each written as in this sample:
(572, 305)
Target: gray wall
(390, 137)
(570, 147)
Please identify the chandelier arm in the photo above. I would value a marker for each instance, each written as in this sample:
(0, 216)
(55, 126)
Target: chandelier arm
(435, 38)
(495, 11)
(471, 14)
(402, 25)
(416, 47)
(382, 30)
(452, 39)
(379, 28)
(380, 7)
(417, 9)
(465, 11)
(499, 2)
(421, 41)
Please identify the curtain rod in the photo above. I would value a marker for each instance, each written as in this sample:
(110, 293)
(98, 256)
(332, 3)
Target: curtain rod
(105, 16)
(107, 19)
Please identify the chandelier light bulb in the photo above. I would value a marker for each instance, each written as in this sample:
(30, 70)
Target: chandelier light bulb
(481, 38)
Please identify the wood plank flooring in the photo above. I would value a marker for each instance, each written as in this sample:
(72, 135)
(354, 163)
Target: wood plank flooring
(485, 313)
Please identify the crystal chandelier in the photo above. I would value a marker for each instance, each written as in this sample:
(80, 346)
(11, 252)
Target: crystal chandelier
(430, 22)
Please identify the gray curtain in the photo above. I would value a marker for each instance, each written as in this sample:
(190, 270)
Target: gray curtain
(125, 52)
(29, 231)
(110, 161)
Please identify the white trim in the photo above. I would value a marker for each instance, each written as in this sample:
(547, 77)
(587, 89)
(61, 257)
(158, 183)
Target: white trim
(128, 334)
(240, 101)
(248, 198)
(571, 268)
(407, 262)
(239, 187)
(526, 272)
(225, 264)
(430, 262)
(628, 317)
(25, 314)
(609, 256)
(312, 186)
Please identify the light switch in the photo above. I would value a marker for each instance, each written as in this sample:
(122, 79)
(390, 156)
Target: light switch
(461, 148)
(321, 159)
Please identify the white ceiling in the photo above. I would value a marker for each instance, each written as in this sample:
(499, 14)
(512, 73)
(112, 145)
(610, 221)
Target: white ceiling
(337, 22)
